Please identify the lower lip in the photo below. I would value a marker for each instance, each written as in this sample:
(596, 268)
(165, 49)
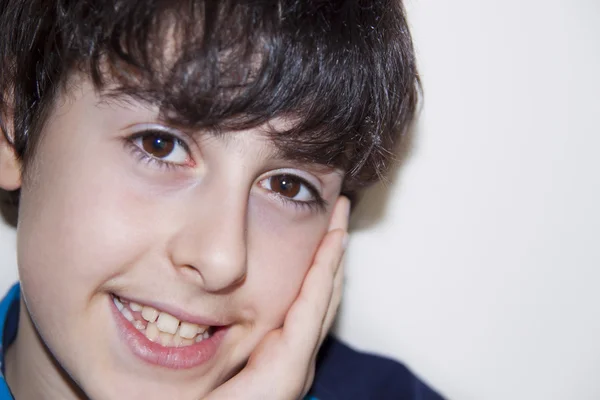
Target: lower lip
(169, 357)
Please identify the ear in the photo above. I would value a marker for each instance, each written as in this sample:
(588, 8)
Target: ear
(10, 165)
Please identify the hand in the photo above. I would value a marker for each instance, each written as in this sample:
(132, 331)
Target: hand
(282, 367)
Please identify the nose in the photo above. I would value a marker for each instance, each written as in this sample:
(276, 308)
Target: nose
(211, 243)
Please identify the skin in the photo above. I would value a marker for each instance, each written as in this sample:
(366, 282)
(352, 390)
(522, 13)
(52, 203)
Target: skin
(207, 235)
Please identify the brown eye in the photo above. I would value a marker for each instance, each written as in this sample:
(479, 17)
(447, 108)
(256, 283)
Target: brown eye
(163, 147)
(158, 146)
(285, 185)
(292, 189)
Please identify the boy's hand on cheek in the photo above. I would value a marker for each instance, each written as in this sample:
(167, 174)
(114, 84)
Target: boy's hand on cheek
(282, 366)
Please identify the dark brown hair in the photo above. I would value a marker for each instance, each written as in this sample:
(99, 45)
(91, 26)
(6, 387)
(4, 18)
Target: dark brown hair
(342, 70)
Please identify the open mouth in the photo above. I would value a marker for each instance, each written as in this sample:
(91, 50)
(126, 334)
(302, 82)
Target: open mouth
(160, 338)
(161, 327)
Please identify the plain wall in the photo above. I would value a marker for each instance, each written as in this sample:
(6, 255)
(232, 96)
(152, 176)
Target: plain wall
(477, 264)
(483, 273)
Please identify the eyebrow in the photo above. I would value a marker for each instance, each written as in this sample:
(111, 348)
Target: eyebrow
(275, 153)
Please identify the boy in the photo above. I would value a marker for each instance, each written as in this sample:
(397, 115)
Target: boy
(182, 170)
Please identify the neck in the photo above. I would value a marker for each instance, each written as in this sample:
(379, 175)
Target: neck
(31, 370)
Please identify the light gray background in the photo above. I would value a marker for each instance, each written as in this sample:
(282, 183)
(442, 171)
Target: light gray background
(481, 269)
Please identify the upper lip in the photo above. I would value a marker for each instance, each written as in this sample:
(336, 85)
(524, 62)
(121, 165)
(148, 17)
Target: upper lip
(178, 313)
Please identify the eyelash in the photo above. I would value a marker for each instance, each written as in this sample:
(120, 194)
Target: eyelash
(148, 159)
(318, 204)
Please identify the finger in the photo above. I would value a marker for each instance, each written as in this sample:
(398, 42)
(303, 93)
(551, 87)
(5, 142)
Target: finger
(339, 220)
(310, 308)
(340, 215)
(330, 315)
(302, 326)
(334, 303)
(327, 319)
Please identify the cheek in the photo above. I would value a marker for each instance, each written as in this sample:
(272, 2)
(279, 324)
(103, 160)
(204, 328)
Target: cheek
(75, 227)
(280, 252)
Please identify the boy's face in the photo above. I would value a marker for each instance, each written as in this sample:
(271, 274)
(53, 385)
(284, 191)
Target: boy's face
(207, 228)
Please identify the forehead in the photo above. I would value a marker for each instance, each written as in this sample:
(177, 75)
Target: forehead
(234, 85)
(117, 111)
(282, 135)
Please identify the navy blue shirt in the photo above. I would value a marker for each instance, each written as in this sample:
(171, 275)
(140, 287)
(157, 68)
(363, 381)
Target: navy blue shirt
(342, 373)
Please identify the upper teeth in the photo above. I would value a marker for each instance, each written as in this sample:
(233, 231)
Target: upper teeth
(149, 314)
(169, 324)
(160, 321)
(188, 330)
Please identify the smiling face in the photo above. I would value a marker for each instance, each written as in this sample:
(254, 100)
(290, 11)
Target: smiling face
(180, 229)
